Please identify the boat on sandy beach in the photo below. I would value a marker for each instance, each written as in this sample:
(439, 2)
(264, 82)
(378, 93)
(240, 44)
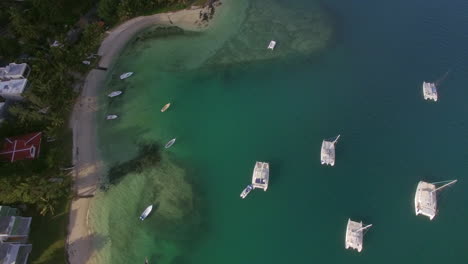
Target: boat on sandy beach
(111, 117)
(425, 199)
(429, 91)
(246, 191)
(165, 107)
(170, 143)
(125, 75)
(327, 154)
(355, 235)
(272, 45)
(114, 94)
(261, 175)
(146, 212)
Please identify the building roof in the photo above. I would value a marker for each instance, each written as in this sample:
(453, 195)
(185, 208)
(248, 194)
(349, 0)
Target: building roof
(14, 253)
(14, 86)
(14, 228)
(13, 70)
(21, 147)
(7, 211)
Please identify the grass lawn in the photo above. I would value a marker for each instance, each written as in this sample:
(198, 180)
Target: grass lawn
(48, 236)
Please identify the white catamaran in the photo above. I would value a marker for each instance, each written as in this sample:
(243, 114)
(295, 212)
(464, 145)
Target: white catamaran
(425, 199)
(261, 175)
(429, 91)
(272, 45)
(146, 212)
(327, 154)
(125, 75)
(355, 235)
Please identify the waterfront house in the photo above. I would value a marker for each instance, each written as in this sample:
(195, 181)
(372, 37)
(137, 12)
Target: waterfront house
(13, 89)
(21, 147)
(14, 71)
(11, 253)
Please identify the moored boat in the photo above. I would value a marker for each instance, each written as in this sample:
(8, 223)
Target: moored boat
(272, 45)
(327, 154)
(165, 107)
(425, 199)
(125, 75)
(170, 143)
(246, 191)
(355, 235)
(146, 212)
(111, 117)
(115, 93)
(261, 175)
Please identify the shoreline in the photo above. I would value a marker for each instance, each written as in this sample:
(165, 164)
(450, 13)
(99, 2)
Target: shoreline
(86, 160)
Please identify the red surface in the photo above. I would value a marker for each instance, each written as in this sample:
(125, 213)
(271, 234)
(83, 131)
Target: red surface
(21, 147)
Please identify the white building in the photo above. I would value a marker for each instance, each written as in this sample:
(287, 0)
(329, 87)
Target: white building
(13, 89)
(14, 71)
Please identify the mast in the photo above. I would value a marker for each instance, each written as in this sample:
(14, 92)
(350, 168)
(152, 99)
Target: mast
(362, 228)
(336, 139)
(445, 185)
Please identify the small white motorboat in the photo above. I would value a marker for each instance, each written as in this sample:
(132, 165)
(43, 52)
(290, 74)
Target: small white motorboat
(125, 75)
(170, 143)
(146, 212)
(111, 117)
(272, 45)
(85, 62)
(114, 94)
(246, 191)
(165, 107)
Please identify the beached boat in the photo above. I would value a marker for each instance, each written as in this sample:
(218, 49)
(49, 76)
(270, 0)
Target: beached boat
(354, 235)
(425, 199)
(260, 176)
(272, 45)
(146, 212)
(246, 191)
(125, 75)
(170, 143)
(114, 94)
(111, 117)
(327, 154)
(165, 107)
(429, 91)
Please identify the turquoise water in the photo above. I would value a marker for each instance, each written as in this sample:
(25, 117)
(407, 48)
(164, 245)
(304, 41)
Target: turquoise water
(233, 103)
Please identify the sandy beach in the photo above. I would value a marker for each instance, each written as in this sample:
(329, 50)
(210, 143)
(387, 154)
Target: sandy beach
(88, 167)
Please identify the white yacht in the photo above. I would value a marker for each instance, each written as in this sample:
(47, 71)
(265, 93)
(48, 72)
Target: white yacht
(429, 91)
(165, 107)
(246, 191)
(272, 45)
(260, 176)
(146, 212)
(355, 235)
(425, 199)
(114, 94)
(170, 143)
(125, 75)
(111, 117)
(327, 154)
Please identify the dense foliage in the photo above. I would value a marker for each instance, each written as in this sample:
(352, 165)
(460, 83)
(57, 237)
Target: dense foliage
(113, 11)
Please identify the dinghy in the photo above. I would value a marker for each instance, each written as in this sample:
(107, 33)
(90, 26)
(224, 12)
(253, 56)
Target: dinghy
(165, 107)
(146, 212)
(246, 191)
(111, 117)
(114, 94)
(125, 75)
(170, 143)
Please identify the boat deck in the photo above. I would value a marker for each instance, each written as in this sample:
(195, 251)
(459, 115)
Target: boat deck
(425, 199)
(327, 154)
(354, 235)
(261, 175)
(430, 91)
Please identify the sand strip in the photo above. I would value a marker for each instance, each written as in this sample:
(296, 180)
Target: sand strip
(87, 163)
